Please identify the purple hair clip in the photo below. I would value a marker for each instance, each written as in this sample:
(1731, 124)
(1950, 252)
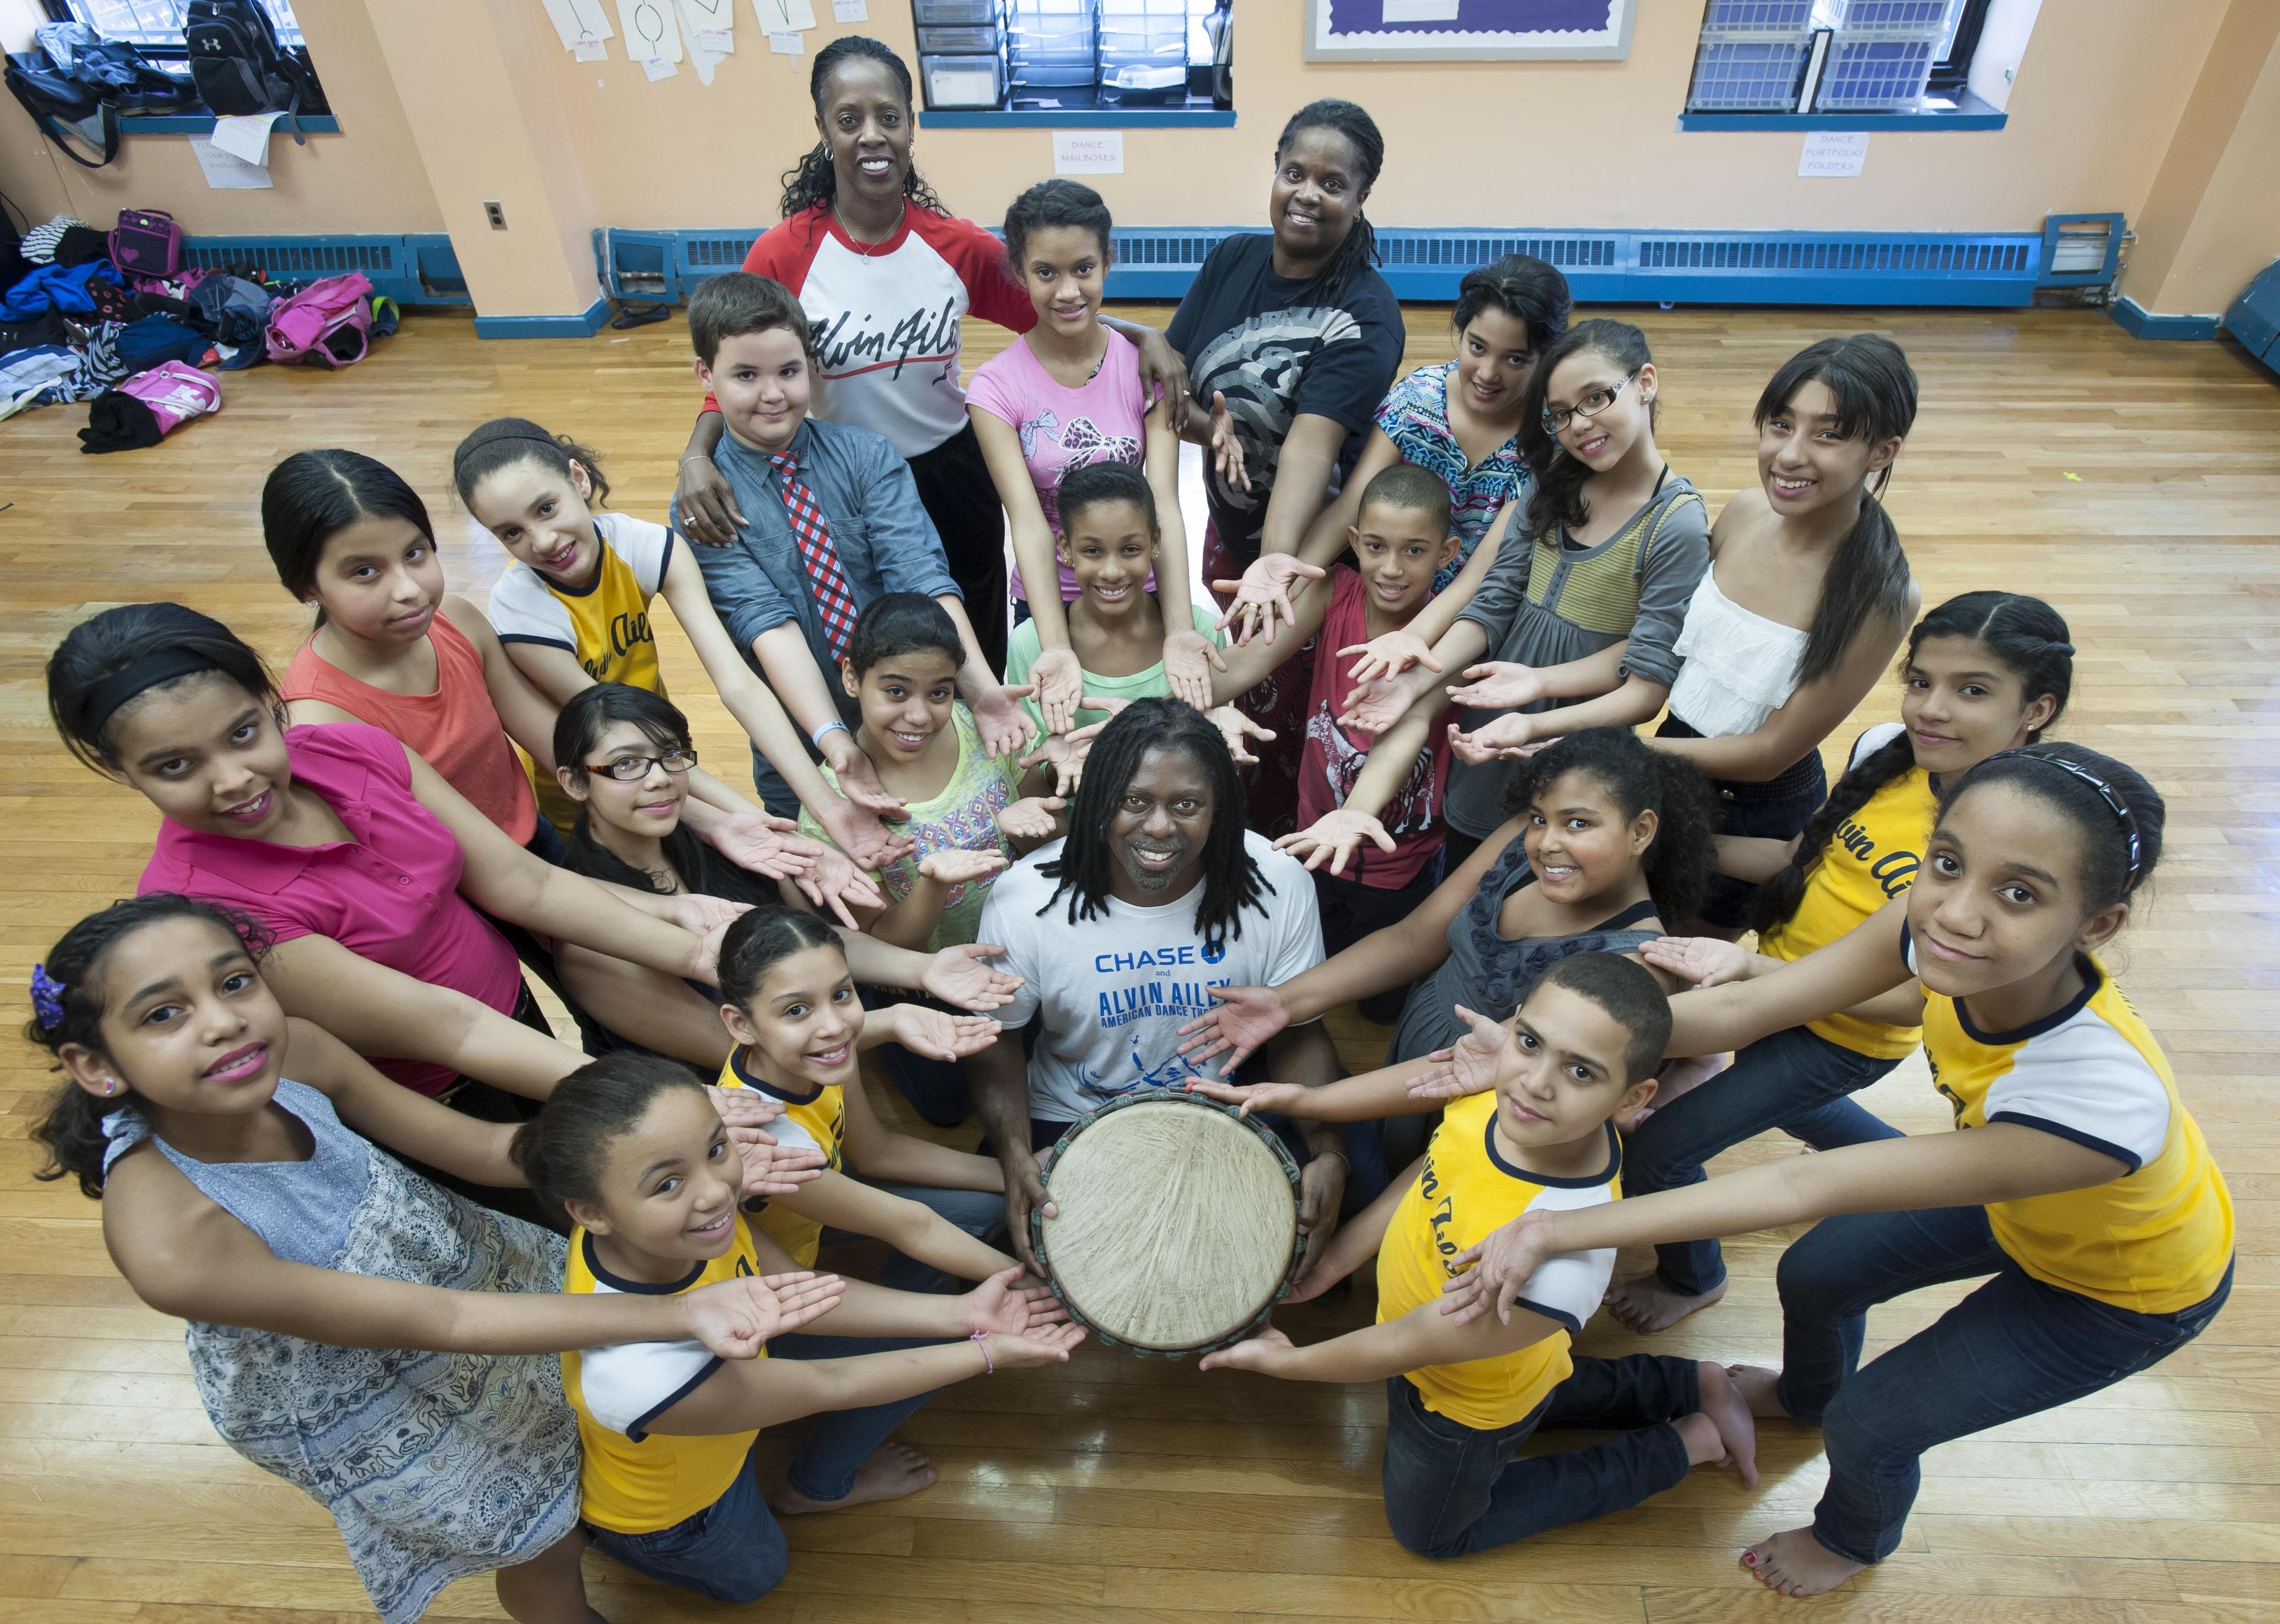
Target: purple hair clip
(47, 999)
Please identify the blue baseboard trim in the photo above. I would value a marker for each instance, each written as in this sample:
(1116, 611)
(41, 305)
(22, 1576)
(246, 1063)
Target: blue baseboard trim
(203, 123)
(2135, 319)
(1604, 266)
(1081, 119)
(416, 269)
(585, 324)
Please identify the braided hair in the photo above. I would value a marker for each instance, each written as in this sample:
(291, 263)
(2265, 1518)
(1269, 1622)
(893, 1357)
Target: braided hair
(1678, 864)
(812, 181)
(1357, 250)
(1231, 879)
(2025, 636)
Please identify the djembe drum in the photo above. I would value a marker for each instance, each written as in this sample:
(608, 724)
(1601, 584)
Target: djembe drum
(1178, 1225)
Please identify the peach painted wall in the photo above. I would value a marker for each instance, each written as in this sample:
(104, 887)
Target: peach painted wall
(2101, 93)
(2213, 221)
(367, 178)
(2101, 86)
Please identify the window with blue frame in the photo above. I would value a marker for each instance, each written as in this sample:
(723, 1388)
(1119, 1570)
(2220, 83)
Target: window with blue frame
(1089, 55)
(158, 23)
(1835, 57)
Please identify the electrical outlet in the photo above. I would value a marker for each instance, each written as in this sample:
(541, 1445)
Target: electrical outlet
(498, 216)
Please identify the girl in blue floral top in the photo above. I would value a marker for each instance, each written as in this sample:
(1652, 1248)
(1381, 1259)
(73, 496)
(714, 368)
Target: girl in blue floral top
(1460, 419)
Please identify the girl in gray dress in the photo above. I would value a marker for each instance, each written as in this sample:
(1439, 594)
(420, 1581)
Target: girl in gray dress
(379, 1343)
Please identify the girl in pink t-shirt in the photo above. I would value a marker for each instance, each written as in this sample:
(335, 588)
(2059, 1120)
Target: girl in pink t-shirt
(1066, 394)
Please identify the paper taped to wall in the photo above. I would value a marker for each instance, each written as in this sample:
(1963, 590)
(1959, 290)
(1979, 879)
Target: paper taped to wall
(651, 35)
(225, 171)
(1088, 153)
(777, 16)
(578, 21)
(246, 136)
(850, 10)
(1831, 155)
(1420, 10)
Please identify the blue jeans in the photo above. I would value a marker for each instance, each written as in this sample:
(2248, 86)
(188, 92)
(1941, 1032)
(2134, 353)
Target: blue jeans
(732, 1550)
(824, 1465)
(1452, 1490)
(1795, 1079)
(2014, 1347)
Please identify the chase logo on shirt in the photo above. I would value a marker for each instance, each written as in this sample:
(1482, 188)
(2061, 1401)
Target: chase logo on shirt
(1156, 958)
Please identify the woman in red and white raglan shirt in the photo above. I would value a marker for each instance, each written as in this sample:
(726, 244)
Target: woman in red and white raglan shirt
(884, 272)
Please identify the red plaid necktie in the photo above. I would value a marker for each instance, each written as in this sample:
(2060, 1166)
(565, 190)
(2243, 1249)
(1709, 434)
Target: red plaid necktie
(833, 595)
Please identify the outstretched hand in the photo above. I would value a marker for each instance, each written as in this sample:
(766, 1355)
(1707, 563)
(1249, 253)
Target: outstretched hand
(1706, 961)
(1467, 1065)
(1031, 817)
(1264, 593)
(1189, 658)
(1263, 1353)
(938, 1034)
(957, 976)
(1238, 1024)
(1496, 1270)
(1335, 837)
(1389, 655)
(762, 843)
(1059, 684)
(736, 1318)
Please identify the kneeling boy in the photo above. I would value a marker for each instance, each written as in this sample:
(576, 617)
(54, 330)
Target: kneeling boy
(1462, 1400)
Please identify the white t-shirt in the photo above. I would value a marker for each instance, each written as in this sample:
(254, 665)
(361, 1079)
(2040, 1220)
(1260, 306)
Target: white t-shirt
(1116, 989)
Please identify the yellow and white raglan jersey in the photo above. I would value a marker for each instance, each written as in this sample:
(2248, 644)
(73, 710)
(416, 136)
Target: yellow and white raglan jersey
(817, 1121)
(2156, 1240)
(634, 1480)
(1467, 1189)
(1872, 858)
(605, 626)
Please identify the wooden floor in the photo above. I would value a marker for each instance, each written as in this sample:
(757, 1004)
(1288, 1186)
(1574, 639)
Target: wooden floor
(2135, 485)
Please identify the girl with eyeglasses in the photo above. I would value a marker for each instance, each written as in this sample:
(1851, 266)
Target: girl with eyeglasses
(1806, 598)
(626, 764)
(1589, 602)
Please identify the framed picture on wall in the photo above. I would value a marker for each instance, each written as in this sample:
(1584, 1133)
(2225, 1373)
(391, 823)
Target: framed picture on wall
(1467, 30)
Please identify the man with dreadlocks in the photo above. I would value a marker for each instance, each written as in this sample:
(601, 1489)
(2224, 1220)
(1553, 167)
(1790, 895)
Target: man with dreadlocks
(1158, 893)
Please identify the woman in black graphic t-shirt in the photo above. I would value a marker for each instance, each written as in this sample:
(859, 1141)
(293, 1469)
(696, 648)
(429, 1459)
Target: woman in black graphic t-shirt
(1291, 342)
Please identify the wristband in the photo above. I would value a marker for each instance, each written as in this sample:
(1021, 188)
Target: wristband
(824, 732)
(981, 1339)
(695, 457)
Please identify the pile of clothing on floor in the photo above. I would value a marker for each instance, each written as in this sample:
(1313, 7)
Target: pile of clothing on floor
(73, 328)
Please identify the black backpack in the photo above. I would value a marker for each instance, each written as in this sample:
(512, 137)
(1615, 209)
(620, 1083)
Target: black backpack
(64, 108)
(239, 67)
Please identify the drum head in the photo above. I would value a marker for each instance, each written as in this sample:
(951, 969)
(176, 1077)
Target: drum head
(1178, 1225)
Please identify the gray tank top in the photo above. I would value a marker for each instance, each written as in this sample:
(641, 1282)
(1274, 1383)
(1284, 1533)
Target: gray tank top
(1491, 972)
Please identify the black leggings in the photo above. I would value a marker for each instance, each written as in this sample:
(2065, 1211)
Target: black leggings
(960, 497)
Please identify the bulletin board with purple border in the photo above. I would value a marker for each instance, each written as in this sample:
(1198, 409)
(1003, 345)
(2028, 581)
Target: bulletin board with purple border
(1466, 30)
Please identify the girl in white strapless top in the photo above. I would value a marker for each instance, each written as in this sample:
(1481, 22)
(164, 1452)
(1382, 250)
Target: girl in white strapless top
(1806, 597)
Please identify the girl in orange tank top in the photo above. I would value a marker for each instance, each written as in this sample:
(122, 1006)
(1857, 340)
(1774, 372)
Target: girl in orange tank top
(391, 647)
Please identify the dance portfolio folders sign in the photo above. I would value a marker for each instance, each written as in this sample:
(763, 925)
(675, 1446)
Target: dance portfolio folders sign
(1466, 30)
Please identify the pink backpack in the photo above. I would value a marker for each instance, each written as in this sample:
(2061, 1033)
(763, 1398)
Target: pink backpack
(175, 393)
(327, 324)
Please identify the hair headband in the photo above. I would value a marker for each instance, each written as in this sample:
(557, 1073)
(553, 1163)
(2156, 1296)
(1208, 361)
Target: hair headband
(2106, 792)
(465, 451)
(47, 999)
(138, 676)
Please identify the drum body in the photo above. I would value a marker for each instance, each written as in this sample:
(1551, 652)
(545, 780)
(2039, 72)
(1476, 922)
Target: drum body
(1179, 1223)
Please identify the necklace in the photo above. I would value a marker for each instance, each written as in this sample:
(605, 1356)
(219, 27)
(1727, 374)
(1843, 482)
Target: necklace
(866, 249)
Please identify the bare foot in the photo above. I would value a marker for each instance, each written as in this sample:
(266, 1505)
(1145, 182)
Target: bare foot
(1756, 1384)
(892, 1471)
(1647, 1306)
(1794, 1563)
(1729, 1414)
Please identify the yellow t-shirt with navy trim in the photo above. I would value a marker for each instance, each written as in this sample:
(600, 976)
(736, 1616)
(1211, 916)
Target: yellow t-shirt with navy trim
(818, 1121)
(634, 1480)
(2155, 1241)
(605, 626)
(1872, 858)
(1467, 1189)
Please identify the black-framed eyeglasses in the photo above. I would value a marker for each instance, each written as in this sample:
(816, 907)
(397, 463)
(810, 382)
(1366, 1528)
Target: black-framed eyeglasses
(633, 769)
(1556, 419)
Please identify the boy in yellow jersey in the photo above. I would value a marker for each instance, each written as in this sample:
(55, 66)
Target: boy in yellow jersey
(1462, 1400)
(633, 1150)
